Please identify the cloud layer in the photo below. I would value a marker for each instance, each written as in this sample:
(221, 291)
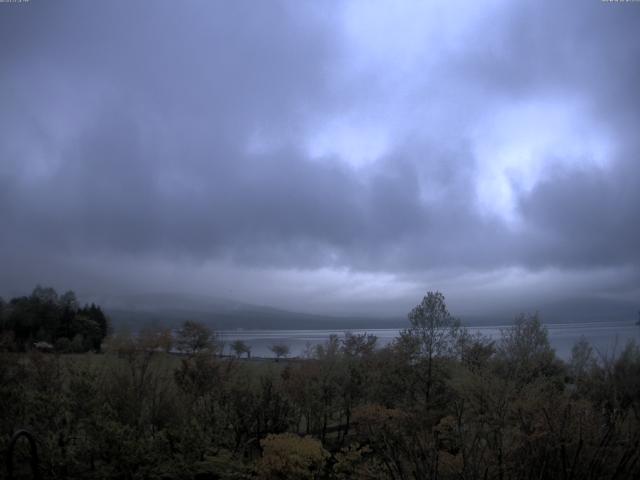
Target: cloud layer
(324, 157)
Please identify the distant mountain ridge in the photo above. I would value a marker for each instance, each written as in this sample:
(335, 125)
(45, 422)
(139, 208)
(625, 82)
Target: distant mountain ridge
(171, 309)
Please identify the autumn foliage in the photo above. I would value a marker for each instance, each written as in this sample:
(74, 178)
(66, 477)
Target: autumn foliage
(438, 403)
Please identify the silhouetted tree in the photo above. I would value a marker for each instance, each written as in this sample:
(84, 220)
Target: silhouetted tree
(45, 316)
(194, 337)
(432, 333)
(358, 345)
(279, 350)
(524, 351)
(240, 348)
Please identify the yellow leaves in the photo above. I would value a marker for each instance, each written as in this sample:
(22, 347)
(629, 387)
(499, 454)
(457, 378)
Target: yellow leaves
(292, 457)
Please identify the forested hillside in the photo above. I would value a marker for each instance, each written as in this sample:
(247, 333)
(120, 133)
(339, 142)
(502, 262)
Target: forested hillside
(52, 321)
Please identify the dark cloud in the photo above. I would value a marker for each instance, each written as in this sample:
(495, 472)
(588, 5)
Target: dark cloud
(134, 133)
(585, 218)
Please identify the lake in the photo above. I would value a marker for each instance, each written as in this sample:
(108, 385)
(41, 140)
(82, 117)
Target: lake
(605, 337)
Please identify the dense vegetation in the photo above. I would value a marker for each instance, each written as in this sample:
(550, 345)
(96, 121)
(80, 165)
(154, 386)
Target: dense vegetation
(437, 403)
(51, 321)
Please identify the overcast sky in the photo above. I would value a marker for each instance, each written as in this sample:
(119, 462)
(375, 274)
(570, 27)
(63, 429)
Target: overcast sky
(328, 156)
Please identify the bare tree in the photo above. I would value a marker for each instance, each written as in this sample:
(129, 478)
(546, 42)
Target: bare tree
(358, 345)
(280, 350)
(432, 334)
(194, 337)
(524, 351)
(240, 348)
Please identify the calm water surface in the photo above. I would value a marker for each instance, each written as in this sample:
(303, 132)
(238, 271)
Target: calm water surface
(606, 337)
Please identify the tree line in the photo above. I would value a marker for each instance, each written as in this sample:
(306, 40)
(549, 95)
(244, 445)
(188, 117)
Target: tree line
(437, 403)
(50, 321)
